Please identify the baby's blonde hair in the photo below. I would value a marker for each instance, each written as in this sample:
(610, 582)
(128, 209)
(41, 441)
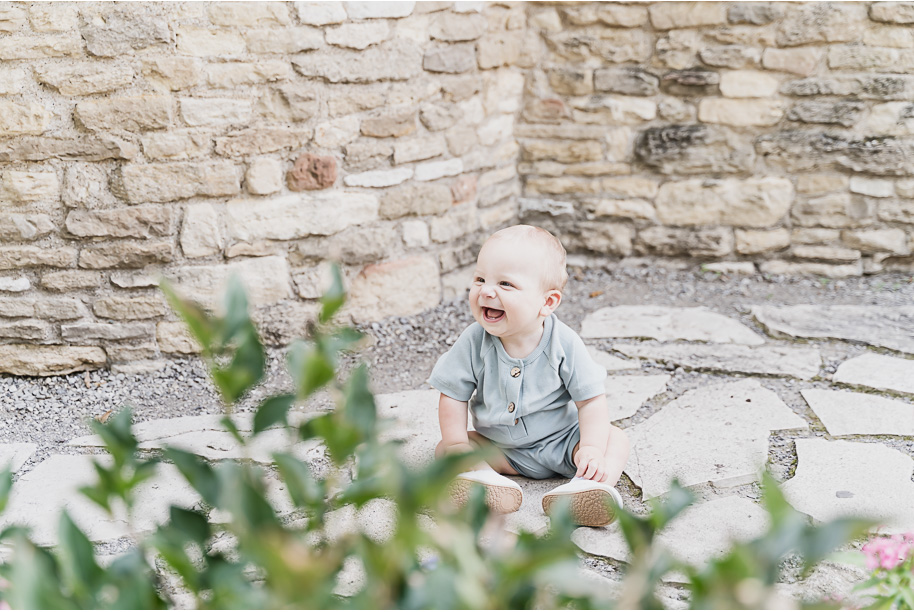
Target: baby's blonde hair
(554, 275)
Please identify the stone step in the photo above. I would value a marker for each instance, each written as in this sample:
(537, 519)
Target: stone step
(667, 324)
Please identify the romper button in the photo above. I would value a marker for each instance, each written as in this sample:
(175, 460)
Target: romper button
(516, 421)
(515, 372)
(511, 408)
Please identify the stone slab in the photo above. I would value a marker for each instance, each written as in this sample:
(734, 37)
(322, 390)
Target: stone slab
(878, 372)
(626, 394)
(611, 362)
(802, 363)
(666, 324)
(39, 497)
(835, 478)
(414, 421)
(15, 454)
(717, 434)
(701, 533)
(886, 326)
(846, 413)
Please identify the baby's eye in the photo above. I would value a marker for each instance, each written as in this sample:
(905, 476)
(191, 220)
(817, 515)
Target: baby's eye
(505, 284)
(479, 279)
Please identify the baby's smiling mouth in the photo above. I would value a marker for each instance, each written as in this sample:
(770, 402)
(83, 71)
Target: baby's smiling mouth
(492, 315)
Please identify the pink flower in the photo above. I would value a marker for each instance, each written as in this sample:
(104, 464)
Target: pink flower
(888, 553)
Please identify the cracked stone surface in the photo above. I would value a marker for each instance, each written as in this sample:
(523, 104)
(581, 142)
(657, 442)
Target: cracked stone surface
(802, 363)
(717, 434)
(626, 394)
(415, 423)
(835, 478)
(877, 372)
(667, 324)
(889, 327)
(39, 496)
(14, 455)
(611, 362)
(701, 533)
(846, 413)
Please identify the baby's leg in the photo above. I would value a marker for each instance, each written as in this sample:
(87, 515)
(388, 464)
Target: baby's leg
(497, 461)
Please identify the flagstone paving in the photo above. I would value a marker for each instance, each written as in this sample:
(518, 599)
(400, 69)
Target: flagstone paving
(846, 413)
(878, 372)
(889, 327)
(711, 405)
(798, 362)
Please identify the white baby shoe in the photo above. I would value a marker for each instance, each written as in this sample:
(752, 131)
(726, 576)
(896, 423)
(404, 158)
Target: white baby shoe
(590, 501)
(503, 495)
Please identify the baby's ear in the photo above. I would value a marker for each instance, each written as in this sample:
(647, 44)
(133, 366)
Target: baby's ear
(553, 299)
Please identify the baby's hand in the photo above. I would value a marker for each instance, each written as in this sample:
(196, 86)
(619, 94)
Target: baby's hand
(591, 464)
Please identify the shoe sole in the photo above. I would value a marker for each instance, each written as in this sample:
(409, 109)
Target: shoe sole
(588, 508)
(500, 500)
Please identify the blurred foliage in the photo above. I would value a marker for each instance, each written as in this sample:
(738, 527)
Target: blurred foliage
(238, 550)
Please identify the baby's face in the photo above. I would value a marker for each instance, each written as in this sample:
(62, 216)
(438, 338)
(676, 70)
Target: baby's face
(507, 296)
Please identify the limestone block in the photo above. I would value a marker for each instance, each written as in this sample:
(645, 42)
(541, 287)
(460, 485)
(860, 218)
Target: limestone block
(215, 111)
(464, 187)
(694, 149)
(879, 59)
(437, 117)
(844, 413)
(890, 118)
(299, 216)
(627, 209)
(418, 149)
(320, 13)
(125, 254)
(453, 59)
(358, 35)
(12, 81)
(202, 42)
(173, 73)
(825, 22)
(23, 187)
(864, 86)
(905, 188)
(821, 183)
(378, 291)
(415, 234)
(892, 12)
(283, 41)
(85, 78)
(15, 285)
(627, 81)
(614, 110)
(561, 151)
(842, 479)
(498, 49)
(756, 202)
(201, 232)
(571, 81)
(379, 178)
(30, 360)
(431, 171)
(630, 187)
(626, 394)
(752, 242)
(899, 37)
(615, 15)
(754, 13)
(456, 223)
(835, 210)
(890, 240)
(23, 119)
(19, 47)
(457, 28)
(740, 113)
(81, 332)
(311, 172)
(133, 222)
(132, 280)
(113, 31)
(362, 245)
(670, 15)
(248, 14)
(367, 153)
(667, 241)
(134, 114)
(170, 182)
(814, 235)
(256, 141)
(415, 199)
(395, 60)
(379, 10)
(264, 176)
(390, 124)
(239, 74)
(801, 363)
(747, 84)
(679, 49)
(877, 372)
(350, 99)
(731, 56)
(666, 324)
(139, 307)
(53, 17)
(844, 113)
(86, 186)
(174, 337)
(876, 188)
(70, 280)
(337, 133)
(811, 269)
(691, 82)
(13, 257)
(265, 279)
(496, 217)
(55, 309)
(897, 210)
(676, 110)
(176, 145)
(708, 435)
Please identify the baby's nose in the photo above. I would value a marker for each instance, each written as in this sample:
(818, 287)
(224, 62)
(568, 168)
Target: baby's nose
(487, 291)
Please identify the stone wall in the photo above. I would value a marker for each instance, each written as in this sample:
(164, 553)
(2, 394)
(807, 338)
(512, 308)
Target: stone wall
(776, 135)
(200, 140)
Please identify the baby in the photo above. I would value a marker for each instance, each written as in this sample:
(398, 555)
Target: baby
(539, 397)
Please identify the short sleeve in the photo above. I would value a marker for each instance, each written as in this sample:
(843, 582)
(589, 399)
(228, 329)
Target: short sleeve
(583, 377)
(453, 373)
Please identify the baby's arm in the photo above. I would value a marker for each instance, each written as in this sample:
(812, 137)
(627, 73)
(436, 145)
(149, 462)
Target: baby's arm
(604, 447)
(452, 418)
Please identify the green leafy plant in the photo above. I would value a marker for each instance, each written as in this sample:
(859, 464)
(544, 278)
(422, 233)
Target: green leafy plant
(890, 561)
(241, 546)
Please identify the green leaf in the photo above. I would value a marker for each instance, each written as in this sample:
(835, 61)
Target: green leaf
(117, 435)
(359, 408)
(232, 429)
(309, 367)
(236, 318)
(301, 485)
(201, 325)
(335, 296)
(190, 523)
(245, 370)
(81, 572)
(197, 472)
(271, 411)
(132, 584)
(6, 487)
